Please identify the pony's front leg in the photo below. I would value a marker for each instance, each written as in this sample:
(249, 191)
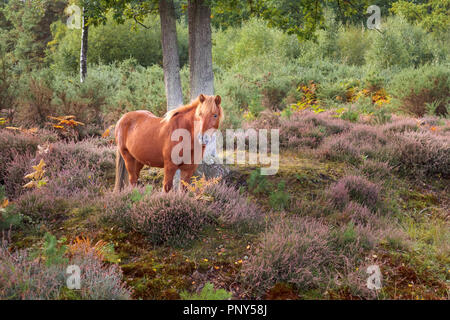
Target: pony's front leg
(169, 172)
(186, 175)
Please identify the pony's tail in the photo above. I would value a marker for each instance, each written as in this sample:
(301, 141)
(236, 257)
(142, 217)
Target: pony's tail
(121, 172)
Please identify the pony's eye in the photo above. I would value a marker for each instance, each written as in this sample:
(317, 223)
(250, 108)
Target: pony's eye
(215, 116)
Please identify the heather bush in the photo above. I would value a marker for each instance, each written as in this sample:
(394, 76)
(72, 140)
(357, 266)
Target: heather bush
(40, 204)
(294, 251)
(400, 125)
(301, 129)
(306, 253)
(353, 146)
(233, 208)
(421, 153)
(354, 188)
(351, 241)
(358, 214)
(13, 144)
(174, 218)
(375, 169)
(100, 281)
(77, 169)
(24, 276)
(17, 168)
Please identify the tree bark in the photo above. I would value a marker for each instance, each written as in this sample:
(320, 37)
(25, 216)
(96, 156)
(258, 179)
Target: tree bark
(171, 62)
(200, 49)
(201, 75)
(84, 48)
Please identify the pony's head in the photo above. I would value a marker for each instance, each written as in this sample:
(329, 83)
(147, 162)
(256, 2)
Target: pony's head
(208, 116)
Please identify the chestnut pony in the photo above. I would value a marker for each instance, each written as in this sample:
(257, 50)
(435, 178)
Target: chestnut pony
(144, 139)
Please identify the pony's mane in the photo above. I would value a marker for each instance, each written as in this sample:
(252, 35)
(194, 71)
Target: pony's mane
(207, 106)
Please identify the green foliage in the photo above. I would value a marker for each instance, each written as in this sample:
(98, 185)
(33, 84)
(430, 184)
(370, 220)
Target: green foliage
(258, 183)
(53, 250)
(136, 196)
(29, 30)
(401, 44)
(350, 114)
(8, 218)
(207, 293)
(432, 14)
(112, 43)
(422, 90)
(279, 199)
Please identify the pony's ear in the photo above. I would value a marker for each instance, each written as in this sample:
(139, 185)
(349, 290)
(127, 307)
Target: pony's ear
(201, 97)
(218, 99)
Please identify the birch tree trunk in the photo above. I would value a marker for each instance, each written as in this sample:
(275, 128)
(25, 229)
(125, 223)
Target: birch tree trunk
(84, 48)
(171, 62)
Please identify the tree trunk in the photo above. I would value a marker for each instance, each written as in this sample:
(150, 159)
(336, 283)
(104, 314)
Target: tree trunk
(201, 74)
(171, 62)
(84, 48)
(200, 49)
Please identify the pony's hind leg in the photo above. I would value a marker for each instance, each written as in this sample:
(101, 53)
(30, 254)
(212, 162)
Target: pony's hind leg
(132, 165)
(137, 168)
(169, 172)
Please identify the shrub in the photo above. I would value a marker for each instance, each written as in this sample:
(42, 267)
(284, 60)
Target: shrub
(113, 42)
(354, 188)
(18, 167)
(401, 125)
(78, 169)
(301, 129)
(258, 183)
(37, 104)
(13, 143)
(28, 279)
(353, 43)
(351, 241)
(279, 199)
(375, 169)
(359, 214)
(415, 90)
(174, 218)
(207, 293)
(25, 277)
(233, 208)
(294, 251)
(100, 281)
(41, 205)
(400, 44)
(352, 146)
(421, 153)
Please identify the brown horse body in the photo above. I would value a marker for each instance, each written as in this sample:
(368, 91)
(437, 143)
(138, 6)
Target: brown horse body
(144, 139)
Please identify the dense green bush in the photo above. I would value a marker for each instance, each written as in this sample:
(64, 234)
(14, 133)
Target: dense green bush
(113, 42)
(417, 90)
(401, 44)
